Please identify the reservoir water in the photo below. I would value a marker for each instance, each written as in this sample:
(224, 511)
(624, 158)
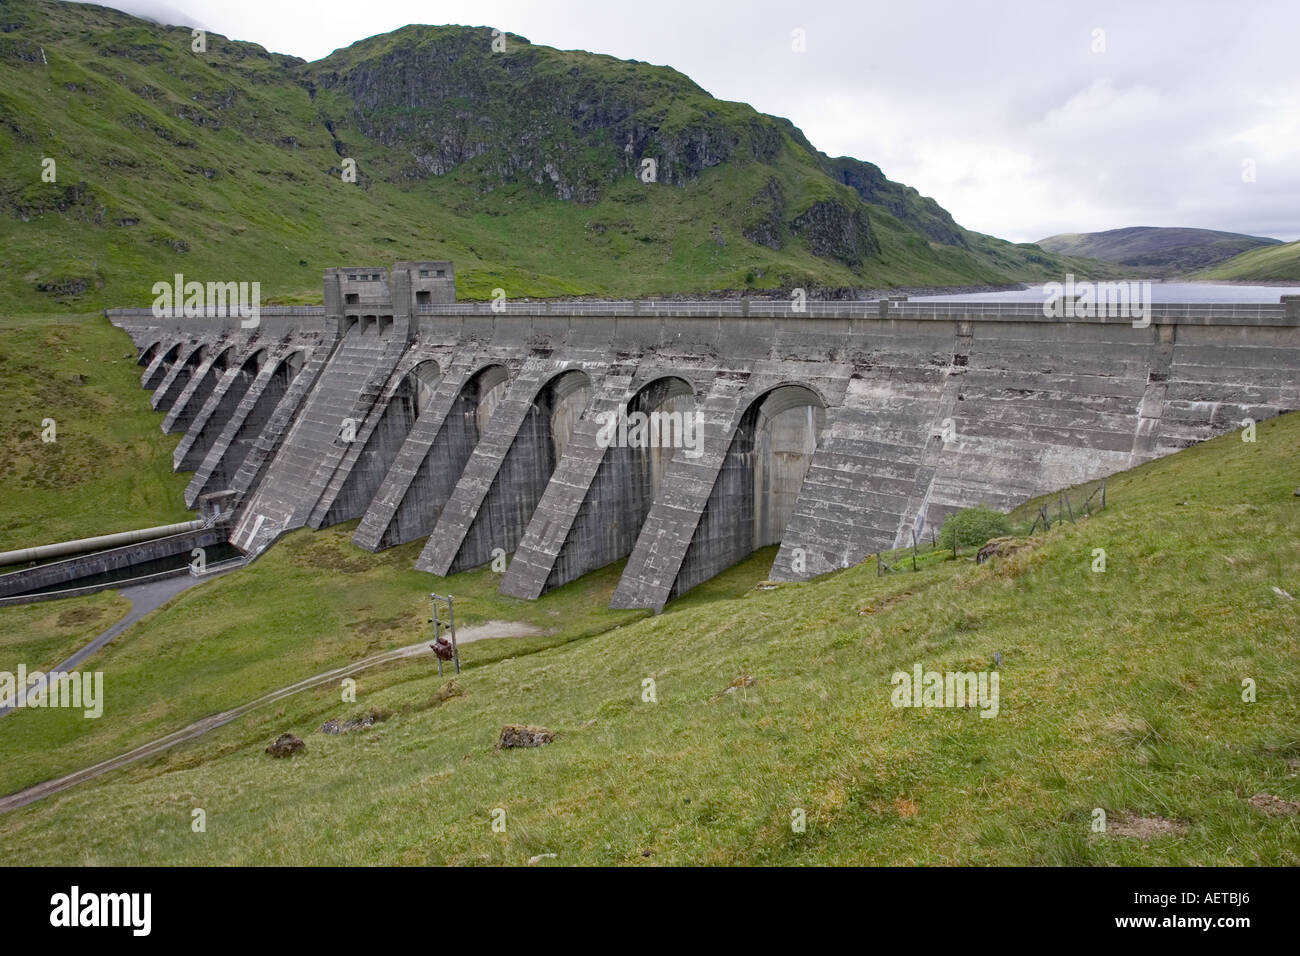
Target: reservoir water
(1160, 292)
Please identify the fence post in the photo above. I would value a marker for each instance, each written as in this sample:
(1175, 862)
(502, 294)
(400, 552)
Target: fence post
(913, 549)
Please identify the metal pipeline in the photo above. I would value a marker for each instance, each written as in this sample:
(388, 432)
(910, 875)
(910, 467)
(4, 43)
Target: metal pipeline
(83, 545)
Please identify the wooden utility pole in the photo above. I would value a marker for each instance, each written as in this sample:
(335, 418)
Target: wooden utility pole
(449, 623)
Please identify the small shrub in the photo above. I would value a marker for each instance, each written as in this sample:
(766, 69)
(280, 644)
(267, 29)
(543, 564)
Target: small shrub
(971, 527)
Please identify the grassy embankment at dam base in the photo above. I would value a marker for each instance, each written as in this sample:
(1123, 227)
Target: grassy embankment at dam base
(1120, 690)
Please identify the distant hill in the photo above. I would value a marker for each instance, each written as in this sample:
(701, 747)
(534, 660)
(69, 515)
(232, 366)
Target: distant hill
(1269, 263)
(540, 171)
(1164, 251)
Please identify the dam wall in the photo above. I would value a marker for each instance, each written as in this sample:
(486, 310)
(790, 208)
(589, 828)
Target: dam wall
(836, 432)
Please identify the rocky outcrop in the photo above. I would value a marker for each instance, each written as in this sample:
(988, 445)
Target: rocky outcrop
(445, 101)
(767, 228)
(834, 230)
(903, 202)
(286, 745)
(523, 735)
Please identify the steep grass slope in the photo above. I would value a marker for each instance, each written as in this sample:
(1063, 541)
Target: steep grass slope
(1271, 263)
(108, 466)
(1120, 689)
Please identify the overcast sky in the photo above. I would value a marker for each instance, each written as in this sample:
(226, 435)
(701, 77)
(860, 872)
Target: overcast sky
(1023, 119)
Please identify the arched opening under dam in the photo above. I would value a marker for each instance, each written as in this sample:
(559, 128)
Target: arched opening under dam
(183, 416)
(228, 399)
(754, 495)
(154, 374)
(409, 399)
(277, 384)
(167, 397)
(658, 421)
(148, 353)
(538, 445)
(447, 450)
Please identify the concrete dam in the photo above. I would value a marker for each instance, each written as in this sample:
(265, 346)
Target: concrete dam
(482, 429)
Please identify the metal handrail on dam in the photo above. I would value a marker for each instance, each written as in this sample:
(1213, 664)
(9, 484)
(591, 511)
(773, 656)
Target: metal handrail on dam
(1280, 313)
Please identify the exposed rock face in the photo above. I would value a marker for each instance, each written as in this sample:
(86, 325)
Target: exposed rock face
(369, 719)
(443, 99)
(286, 745)
(903, 202)
(575, 124)
(769, 228)
(835, 231)
(523, 735)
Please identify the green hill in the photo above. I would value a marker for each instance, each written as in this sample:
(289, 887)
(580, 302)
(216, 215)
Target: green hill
(524, 167)
(1159, 250)
(109, 468)
(1120, 690)
(1270, 263)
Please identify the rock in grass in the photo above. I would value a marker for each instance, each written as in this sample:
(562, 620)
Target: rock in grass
(1000, 547)
(1138, 827)
(373, 716)
(447, 692)
(286, 745)
(524, 735)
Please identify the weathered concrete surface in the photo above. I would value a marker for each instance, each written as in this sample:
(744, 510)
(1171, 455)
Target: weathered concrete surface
(838, 432)
(177, 377)
(431, 460)
(210, 420)
(509, 468)
(255, 410)
(191, 398)
(585, 476)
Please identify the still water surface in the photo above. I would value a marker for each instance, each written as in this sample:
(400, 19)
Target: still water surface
(1160, 292)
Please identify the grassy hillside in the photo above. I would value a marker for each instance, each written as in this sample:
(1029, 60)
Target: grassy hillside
(43, 635)
(331, 604)
(1159, 250)
(109, 466)
(1120, 690)
(1272, 263)
(228, 164)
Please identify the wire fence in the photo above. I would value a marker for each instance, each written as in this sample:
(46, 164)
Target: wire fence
(1065, 510)
(907, 558)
